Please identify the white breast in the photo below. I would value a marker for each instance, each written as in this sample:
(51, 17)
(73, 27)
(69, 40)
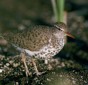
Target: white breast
(43, 52)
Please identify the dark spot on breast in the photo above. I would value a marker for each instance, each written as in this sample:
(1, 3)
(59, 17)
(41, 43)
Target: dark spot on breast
(48, 50)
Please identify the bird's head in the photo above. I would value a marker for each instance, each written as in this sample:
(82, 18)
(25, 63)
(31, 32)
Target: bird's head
(62, 27)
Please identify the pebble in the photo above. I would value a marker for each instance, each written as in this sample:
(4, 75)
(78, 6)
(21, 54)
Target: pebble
(1, 70)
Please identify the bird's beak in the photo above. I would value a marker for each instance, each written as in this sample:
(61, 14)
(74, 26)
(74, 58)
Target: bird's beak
(69, 35)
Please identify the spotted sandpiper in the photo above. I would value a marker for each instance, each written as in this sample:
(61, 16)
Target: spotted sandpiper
(39, 41)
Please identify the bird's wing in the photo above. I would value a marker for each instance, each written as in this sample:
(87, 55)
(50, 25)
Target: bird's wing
(32, 39)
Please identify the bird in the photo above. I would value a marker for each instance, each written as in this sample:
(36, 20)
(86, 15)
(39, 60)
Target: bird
(39, 41)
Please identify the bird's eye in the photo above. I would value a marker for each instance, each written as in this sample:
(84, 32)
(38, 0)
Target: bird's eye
(61, 29)
(57, 27)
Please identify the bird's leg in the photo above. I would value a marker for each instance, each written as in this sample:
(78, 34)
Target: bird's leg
(25, 65)
(35, 67)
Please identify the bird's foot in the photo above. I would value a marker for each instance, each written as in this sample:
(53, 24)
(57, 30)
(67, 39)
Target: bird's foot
(36, 69)
(40, 73)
